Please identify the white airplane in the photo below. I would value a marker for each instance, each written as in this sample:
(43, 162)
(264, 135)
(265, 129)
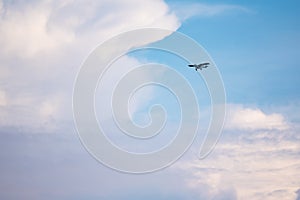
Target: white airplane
(200, 66)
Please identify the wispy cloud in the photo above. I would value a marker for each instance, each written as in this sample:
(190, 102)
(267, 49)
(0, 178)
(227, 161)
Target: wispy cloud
(185, 11)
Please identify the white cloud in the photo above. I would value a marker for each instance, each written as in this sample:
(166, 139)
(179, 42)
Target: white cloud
(242, 118)
(29, 28)
(50, 107)
(253, 167)
(253, 161)
(185, 11)
(34, 114)
(24, 31)
(110, 80)
(43, 44)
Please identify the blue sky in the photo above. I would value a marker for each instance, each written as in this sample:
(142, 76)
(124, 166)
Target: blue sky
(262, 46)
(253, 43)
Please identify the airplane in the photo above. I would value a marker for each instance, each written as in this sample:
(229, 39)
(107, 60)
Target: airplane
(199, 66)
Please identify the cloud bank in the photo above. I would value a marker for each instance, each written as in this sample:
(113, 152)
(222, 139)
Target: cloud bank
(43, 44)
(249, 164)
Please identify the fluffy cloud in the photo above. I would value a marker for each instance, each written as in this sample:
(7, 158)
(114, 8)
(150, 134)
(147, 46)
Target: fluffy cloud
(242, 118)
(259, 161)
(249, 166)
(43, 44)
(27, 28)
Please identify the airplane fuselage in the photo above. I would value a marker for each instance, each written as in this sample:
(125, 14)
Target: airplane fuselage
(199, 66)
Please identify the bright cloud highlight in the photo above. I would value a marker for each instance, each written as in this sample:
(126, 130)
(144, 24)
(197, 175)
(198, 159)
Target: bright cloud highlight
(242, 118)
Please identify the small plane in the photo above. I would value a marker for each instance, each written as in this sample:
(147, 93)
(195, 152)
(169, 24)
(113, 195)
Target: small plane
(199, 66)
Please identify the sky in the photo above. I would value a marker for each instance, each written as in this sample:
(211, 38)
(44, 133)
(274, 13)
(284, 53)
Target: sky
(43, 45)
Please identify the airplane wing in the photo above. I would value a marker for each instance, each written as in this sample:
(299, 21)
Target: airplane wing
(204, 64)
